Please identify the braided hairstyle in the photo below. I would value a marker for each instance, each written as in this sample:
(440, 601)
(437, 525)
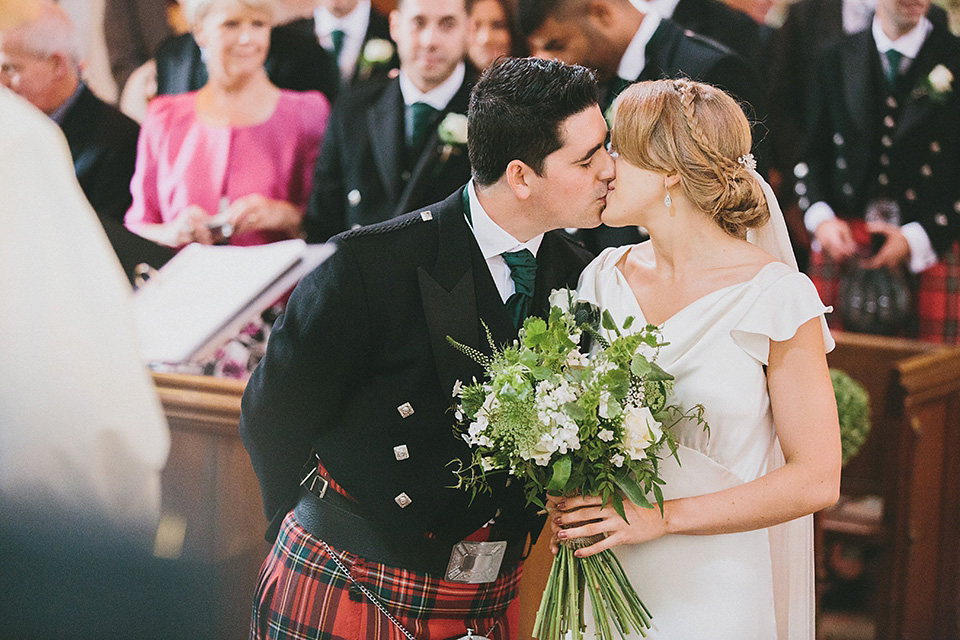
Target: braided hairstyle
(699, 132)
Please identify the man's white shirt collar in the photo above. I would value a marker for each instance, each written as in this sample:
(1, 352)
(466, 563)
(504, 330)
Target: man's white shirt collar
(438, 97)
(908, 44)
(493, 241)
(635, 57)
(664, 8)
(354, 26)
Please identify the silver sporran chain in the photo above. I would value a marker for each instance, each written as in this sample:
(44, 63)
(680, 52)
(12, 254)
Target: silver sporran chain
(376, 602)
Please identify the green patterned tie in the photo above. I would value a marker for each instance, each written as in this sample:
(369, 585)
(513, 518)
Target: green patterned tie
(893, 57)
(523, 271)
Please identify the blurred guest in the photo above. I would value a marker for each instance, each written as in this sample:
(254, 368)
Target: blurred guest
(88, 18)
(625, 44)
(83, 432)
(357, 36)
(883, 145)
(294, 61)
(40, 61)
(233, 161)
(756, 9)
(397, 144)
(810, 27)
(730, 26)
(493, 32)
(133, 31)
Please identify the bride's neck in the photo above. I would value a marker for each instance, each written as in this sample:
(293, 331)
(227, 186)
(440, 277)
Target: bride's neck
(686, 241)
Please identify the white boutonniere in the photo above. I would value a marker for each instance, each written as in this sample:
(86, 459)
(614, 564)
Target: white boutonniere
(938, 84)
(377, 52)
(452, 132)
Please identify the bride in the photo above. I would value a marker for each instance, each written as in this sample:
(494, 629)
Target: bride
(732, 556)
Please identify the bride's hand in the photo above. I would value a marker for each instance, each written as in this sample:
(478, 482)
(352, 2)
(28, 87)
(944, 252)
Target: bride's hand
(584, 516)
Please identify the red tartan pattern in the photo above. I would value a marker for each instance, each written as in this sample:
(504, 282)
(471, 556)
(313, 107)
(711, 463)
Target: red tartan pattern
(936, 295)
(302, 594)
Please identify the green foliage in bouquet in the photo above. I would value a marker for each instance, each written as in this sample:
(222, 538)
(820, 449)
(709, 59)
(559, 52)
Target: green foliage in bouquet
(853, 409)
(565, 423)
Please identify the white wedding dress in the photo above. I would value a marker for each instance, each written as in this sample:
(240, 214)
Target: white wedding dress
(757, 585)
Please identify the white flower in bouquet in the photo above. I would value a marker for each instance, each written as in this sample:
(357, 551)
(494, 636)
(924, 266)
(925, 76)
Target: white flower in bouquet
(563, 422)
(561, 299)
(641, 430)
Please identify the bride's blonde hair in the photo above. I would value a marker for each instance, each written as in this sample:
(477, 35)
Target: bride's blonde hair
(699, 132)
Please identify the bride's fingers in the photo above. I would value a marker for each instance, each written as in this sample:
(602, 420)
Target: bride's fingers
(596, 547)
(567, 518)
(586, 529)
(578, 502)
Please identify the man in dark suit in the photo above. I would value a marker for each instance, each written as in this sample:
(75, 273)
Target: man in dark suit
(359, 370)
(626, 45)
(133, 29)
(811, 26)
(296, 61)
(715, 20)
(384, 152)
(346, 28)
(38, 61)
(884, 134)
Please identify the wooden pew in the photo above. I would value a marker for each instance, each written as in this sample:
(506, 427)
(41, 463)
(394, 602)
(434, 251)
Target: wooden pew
(209, 485)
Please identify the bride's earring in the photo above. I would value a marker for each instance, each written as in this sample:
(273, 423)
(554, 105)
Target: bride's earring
(667, 200)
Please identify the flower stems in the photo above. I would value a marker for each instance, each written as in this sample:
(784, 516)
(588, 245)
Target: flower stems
(600, 578)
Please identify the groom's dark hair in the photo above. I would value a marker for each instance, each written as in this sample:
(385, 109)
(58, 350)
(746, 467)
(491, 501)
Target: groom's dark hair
(517, 109)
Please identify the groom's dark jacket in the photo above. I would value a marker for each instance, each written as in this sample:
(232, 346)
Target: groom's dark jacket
(366, 333)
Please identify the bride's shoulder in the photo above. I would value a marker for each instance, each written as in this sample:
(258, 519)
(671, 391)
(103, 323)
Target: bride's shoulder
(601, 273)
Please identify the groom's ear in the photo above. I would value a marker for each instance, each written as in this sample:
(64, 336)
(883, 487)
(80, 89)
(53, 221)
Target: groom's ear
(519, 176)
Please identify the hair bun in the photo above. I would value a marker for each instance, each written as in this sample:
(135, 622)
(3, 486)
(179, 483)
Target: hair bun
(742, 204)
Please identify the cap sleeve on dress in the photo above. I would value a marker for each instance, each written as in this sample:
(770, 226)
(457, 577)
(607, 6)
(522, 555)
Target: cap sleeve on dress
(777, 312)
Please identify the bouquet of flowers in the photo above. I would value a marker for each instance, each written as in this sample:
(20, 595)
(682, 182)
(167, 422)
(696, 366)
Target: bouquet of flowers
(566, 422)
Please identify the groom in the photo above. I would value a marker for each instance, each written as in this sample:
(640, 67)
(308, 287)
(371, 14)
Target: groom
(347, 419)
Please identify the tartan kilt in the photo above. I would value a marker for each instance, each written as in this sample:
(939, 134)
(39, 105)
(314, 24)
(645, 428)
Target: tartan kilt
(935, 293)
(301, 593)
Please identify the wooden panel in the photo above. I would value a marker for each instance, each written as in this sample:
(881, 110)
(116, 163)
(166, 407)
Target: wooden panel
(209, 483)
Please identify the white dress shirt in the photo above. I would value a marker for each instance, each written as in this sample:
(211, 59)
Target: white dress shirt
(493, 241)
(438, 97)
(81, 427)
(922, 254)
(354, 26)
(635, 57)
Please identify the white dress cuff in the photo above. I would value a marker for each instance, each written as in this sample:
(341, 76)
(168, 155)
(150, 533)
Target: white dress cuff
(922, 255)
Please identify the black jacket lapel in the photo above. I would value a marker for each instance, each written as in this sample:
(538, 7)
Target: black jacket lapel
(426, 167)
(385, 130)
(917, 106)
(455, 296)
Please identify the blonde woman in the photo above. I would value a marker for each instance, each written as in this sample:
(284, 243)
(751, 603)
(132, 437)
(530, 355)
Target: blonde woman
(233, 161)
(732, 556)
